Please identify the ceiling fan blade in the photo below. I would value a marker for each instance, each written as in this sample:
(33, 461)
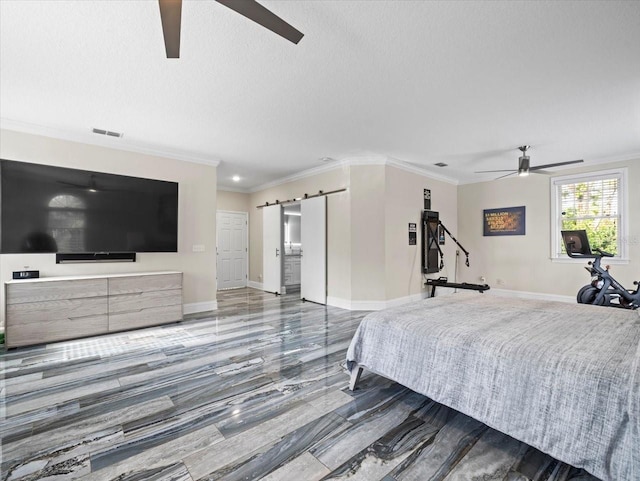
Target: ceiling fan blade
(170, 14)
(538, 171)
(259, 14)
(503, 176)
(557, 164)
(486, 171)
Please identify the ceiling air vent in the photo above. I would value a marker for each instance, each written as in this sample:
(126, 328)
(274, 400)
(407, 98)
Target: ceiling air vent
(441, 164)
(107, 132)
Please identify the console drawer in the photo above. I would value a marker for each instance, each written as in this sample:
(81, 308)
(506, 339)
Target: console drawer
(150, 316)
(20, 293)
(40, 322)
(144, 300)
(135, 284)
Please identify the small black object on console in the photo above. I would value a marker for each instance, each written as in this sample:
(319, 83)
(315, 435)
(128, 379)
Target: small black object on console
(26, 275)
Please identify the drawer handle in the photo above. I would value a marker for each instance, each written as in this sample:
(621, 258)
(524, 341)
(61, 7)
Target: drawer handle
(75, 318)
(128, 311)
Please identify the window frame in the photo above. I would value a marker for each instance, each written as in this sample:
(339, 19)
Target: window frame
(623, 209)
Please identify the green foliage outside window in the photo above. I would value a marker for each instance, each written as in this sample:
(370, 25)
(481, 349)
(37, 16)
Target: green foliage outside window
(593, 206)
(602, 235)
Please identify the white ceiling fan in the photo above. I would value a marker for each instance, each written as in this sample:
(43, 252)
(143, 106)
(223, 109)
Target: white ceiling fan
(524, 167)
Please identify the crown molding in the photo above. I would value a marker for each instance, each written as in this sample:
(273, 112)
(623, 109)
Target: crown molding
(615, 158)
(377, 159)
(415, 169)
(103, 141)
(351, 162)
(366, 158)
(300, 175)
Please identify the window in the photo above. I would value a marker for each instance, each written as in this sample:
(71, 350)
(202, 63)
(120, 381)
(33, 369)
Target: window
(66, 222)
(595, 202)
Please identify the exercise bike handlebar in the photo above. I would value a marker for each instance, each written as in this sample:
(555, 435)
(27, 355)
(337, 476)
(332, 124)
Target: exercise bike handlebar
(599, 253)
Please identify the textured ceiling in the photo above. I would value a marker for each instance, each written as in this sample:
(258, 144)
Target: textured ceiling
(463, 83)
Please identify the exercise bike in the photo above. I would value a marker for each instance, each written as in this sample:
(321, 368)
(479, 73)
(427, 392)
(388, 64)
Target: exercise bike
(603, 290)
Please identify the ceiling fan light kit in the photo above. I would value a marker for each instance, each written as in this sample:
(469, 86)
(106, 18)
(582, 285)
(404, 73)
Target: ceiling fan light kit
(171, 15)
(523, 167)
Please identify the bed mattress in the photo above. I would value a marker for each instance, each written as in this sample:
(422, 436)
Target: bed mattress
(564, 378)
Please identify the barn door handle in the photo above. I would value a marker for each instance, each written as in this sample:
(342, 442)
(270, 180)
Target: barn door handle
(277, 252)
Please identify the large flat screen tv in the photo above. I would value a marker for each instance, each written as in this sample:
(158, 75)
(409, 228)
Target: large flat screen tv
(54, 209)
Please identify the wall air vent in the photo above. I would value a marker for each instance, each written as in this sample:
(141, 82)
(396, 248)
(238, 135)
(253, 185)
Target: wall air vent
(441, 164)
(107, 132)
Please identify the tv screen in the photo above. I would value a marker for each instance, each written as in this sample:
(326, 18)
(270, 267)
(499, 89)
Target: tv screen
(54, 209)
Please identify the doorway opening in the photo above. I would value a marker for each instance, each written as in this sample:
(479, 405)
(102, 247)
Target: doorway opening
(292, 247)
(292, 262)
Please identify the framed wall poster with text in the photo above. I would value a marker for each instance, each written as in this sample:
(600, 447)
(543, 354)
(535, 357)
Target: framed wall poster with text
(504, 221)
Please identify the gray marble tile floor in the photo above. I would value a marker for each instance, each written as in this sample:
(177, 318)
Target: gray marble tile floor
(255, 390)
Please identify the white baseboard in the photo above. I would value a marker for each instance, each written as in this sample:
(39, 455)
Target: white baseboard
(260, 286)
(194, 307)
(398, 301)
(368, 305)
(356, 305)
(339, 302)
(531, 295)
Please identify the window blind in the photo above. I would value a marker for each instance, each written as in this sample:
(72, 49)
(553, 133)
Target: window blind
(594, 206)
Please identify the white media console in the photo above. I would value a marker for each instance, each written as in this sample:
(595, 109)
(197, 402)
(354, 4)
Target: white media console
(57, 308)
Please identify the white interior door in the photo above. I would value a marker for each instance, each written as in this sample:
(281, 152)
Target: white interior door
(231, 235)
(313, 236)
(272, 255)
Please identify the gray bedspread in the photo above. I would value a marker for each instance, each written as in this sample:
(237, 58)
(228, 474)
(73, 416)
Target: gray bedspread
(564, 378)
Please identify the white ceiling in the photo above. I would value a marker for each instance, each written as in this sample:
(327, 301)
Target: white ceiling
(463, 83)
